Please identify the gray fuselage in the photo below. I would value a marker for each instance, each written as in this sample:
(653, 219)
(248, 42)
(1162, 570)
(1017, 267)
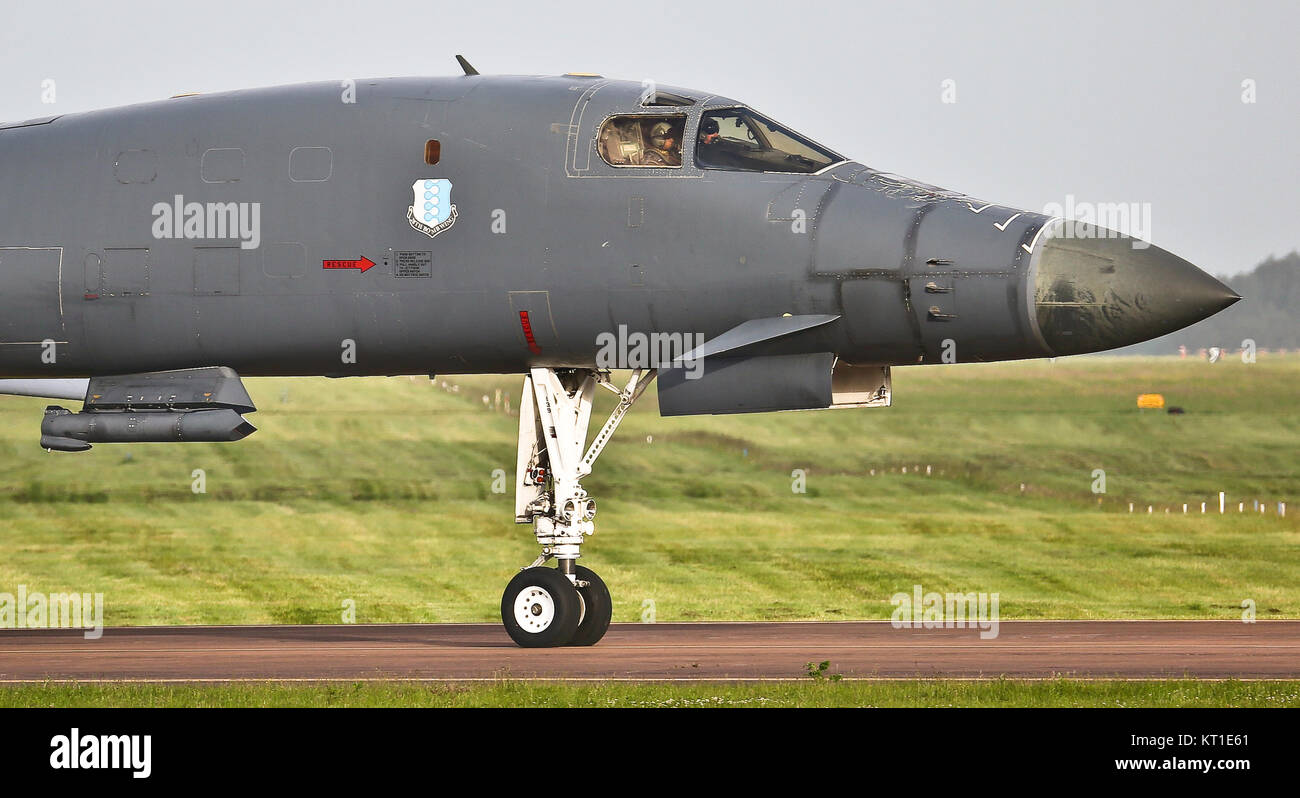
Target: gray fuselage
(544, 226)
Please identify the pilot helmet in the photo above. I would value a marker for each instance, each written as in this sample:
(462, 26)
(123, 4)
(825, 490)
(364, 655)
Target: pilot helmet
(708, 127)
(659, 134)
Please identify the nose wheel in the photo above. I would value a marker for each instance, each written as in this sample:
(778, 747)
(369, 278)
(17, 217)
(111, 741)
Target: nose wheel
(541, 608)
(569, 604)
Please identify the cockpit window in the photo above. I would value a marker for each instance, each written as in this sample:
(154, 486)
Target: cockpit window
(642, 140)
(667, 98)
(739, 139)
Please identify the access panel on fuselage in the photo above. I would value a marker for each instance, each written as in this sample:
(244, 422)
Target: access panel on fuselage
(30, 307)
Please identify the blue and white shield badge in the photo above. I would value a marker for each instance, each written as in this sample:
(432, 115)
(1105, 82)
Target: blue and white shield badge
(431, 209)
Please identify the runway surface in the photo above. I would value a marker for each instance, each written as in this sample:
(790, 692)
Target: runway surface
(666, 651)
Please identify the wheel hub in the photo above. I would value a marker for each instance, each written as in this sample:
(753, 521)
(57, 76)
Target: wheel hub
(534, 610)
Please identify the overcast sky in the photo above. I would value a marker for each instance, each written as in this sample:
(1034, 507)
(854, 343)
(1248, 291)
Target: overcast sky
(1110, 102)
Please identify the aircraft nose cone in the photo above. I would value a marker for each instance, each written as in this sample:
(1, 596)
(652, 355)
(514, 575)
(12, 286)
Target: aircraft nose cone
(1111, 290)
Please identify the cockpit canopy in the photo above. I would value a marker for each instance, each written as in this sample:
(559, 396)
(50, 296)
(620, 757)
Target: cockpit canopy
(734, 139)
(740, 139)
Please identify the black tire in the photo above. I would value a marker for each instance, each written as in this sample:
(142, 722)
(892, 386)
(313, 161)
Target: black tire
(598, 609)
(540, 608)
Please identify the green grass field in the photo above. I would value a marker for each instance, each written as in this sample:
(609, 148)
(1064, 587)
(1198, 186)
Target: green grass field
(381, 491)
(506, 693)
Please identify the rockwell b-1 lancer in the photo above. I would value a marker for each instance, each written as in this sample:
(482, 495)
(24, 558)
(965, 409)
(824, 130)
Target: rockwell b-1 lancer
(152, 255)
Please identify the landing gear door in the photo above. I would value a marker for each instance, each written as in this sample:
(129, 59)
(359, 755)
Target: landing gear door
(531, 462)
(531, 314)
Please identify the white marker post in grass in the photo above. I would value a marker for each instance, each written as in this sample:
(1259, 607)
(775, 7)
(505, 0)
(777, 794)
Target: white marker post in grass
(1220, 502)
(1281, 509)
(1202, 506)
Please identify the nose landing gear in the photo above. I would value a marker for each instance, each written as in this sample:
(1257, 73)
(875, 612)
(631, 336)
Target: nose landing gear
(569, 604)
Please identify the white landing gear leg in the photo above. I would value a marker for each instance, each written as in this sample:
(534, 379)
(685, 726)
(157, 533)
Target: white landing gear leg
(569, 604)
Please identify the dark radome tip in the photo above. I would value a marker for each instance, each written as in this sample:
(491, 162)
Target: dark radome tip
(1112, 290)
(1222, 299)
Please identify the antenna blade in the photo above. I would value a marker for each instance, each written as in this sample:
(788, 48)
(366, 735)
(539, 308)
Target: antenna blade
(465, 65)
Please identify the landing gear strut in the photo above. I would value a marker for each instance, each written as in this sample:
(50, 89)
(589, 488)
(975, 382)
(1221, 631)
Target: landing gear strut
(568, 604)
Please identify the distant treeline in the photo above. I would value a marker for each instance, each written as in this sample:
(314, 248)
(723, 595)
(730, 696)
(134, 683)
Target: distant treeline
(1269, 313)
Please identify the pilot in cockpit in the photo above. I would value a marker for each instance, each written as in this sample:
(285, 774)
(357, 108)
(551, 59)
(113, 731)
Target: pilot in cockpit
(665, 147)
(709, 131)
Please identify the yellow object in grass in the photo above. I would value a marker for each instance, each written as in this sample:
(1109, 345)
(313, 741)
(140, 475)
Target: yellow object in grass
(1151, 401)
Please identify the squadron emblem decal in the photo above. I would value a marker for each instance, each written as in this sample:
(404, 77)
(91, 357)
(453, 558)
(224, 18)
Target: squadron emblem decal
(431, 209)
